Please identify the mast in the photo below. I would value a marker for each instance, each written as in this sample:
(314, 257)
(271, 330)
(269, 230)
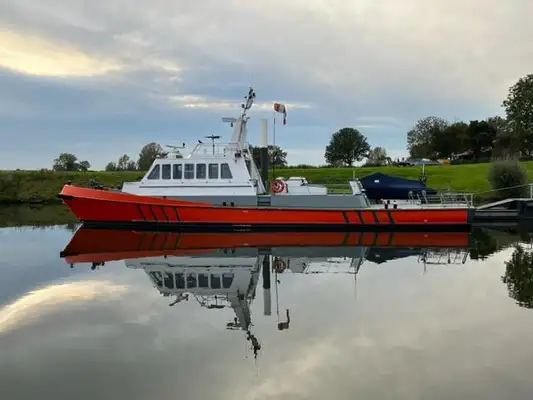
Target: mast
(238, 136)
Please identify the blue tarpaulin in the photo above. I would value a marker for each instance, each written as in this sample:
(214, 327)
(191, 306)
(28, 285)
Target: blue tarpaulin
(383, 186)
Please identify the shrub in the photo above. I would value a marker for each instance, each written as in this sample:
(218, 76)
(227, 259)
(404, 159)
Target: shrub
(508, 175)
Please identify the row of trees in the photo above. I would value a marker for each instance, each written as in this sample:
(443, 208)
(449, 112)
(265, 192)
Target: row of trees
(347, 146)
(434, 137)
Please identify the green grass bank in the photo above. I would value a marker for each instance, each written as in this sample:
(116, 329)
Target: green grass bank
(33, 186)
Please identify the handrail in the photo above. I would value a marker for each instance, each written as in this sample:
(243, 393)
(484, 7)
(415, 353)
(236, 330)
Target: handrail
(218, 148)
(530, 185)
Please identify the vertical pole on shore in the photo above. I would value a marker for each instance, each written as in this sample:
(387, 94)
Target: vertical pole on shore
(266, 286)
(264, 152)
(273, 144)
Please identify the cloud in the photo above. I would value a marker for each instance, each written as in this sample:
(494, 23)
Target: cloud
(35, 305)
(196, 101)
(359, 63)
(35, 56)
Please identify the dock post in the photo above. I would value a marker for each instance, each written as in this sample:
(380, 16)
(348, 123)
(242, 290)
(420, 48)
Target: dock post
(264, 152)
(266, 285)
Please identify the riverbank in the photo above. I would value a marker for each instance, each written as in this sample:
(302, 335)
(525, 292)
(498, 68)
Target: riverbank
(19, 187)
(36, 216)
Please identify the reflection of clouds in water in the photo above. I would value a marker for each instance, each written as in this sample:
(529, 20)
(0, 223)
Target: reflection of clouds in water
(37, 304)
(450, 333)
(126, 343)
(457, 336)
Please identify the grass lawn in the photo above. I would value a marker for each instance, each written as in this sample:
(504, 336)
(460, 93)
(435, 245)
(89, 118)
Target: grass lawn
(23, 186)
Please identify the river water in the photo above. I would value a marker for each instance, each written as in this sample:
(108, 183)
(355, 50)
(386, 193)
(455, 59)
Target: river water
(371, 322)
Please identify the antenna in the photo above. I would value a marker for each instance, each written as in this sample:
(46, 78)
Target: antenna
(213, 138)
(250, 97)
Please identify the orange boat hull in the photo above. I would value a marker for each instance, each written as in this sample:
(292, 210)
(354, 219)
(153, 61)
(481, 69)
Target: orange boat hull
(99, 245)
(102, 208)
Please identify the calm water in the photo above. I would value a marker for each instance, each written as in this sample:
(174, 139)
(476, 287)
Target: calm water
(399, 328)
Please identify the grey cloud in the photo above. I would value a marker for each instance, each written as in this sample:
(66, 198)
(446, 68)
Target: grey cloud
(348, 59)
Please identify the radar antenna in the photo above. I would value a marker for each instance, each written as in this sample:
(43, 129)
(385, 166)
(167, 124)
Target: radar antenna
(176, 149)
(213, 138)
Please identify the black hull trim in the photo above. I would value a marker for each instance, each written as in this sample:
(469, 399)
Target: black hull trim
(272, 227)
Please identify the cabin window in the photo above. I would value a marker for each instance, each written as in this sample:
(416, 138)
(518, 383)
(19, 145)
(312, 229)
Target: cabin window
(165, 172)
(227, 278)
(177, 171)
(215, 281)
(200, 171)
(225, 172)
(180, 280)
(248, 166)
(213, 171)
(203, 280)
(157, 278)
(169, 281)
(191, 280)
(154, 174)
(189, 171)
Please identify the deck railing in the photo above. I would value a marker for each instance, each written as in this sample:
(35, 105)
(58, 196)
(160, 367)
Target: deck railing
(442, 198)
(217, 150)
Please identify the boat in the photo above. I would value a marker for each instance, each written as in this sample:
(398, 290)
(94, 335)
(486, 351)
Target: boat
(382, 186)
(99, 208)
(223, 189)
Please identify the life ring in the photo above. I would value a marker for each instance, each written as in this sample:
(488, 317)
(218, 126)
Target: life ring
(278, 186)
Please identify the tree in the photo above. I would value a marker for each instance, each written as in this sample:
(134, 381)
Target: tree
(84, 165)
(346, 146)
(519, 277)
(376, 156)
(449, 141)
(148, 154)
(506, 144)
(276, 156)
(420, 137)
(65, 162)
(111, 166)
(69, 162)
(480, 137)
(499, 124)
(519, 111)
(123, 162)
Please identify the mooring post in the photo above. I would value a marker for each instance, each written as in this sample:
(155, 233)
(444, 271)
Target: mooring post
(266, 285)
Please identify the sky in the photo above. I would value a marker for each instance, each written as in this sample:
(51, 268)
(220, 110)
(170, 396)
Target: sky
(101, 78)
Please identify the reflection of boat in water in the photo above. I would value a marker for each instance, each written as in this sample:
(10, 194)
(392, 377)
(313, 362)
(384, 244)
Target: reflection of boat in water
(215, 282)
(222, 271)
(97, 245)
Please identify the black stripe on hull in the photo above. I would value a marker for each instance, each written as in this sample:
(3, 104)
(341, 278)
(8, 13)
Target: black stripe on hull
(274, 227)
